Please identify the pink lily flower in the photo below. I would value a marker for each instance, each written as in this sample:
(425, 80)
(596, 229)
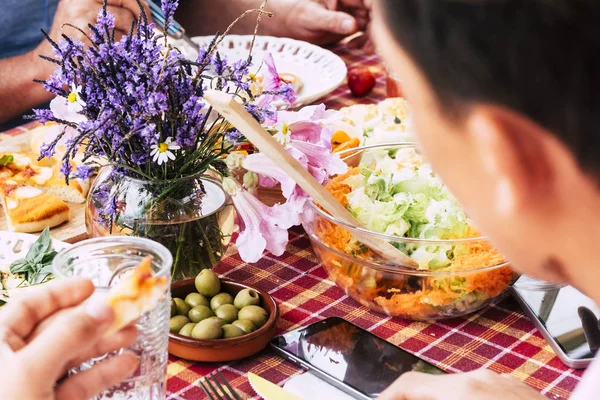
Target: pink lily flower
(259, 229)
(310, 124)
(273, 87)
(306, 135)
(303, 140)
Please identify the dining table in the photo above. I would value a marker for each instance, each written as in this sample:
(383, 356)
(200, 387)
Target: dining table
(499, 337)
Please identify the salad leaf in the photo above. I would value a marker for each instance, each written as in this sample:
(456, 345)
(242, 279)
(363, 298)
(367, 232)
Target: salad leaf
(396, 194)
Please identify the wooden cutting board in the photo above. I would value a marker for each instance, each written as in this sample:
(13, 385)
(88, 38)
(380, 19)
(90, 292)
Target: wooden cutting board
(70, 232)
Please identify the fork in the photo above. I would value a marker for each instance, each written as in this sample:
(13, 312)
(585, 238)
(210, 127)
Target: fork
(175, 30)
(213, 391)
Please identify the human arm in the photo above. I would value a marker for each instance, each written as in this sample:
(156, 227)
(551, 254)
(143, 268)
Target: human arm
(18, 92)
(47, 331)
(311, 20)
(477, 385)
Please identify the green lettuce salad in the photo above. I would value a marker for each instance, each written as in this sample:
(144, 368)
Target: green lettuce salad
(396, 194)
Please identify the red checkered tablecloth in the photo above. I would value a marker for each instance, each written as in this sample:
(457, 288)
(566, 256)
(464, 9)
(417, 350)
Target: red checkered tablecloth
(499, 337)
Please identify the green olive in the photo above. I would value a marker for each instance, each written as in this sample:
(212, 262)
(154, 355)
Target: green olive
(227, 312)
(230, 331)
(207, 283)
(208, 329)
(178, 322)
(183, 308)
(256, 314)
(196, 299)
(220, 299)
(246, 297)
(245, 325)
(199, 313)
(173, 308)
(187, 329)
(219, 320)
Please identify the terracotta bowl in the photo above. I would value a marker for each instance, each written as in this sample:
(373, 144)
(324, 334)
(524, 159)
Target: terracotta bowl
(221, 350)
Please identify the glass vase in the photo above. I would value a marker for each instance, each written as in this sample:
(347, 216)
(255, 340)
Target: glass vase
(192, 216)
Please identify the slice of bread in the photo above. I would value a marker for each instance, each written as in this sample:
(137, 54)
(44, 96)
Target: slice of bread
(136, 294)
(28, 209)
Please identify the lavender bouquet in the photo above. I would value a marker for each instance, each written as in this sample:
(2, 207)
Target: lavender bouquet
(134, 108)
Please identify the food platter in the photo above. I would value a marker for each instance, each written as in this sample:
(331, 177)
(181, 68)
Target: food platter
(72, 231)
(320, 70)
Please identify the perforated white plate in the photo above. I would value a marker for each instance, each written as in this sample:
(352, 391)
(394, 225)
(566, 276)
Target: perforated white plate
(14, 246)
(320, 70)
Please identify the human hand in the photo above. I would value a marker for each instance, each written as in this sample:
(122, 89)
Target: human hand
(80, 13)
(319, 22)
(47, 332)
(477, 385)
(359, 9)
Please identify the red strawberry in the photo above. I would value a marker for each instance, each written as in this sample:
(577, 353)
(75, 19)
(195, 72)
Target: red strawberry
(360, 81)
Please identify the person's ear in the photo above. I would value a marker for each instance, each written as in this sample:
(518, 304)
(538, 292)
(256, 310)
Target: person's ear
(513, 154)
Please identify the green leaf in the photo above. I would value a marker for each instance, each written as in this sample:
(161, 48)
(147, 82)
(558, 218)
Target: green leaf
(49, 257)
(46, 269)
(39, 247)
(6, 159)
(37, 264)
(20, 266)
(39, 278)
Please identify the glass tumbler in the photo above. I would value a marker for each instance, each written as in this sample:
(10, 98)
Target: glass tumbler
(105, 261)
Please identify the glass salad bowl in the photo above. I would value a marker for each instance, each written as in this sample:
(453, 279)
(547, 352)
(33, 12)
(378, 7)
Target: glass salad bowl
(393, 192)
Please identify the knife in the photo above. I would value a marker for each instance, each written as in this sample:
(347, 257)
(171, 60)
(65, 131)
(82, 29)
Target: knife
(268, 390)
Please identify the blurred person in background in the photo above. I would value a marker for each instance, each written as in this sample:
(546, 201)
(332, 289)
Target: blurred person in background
(505, 111)
(21, 39)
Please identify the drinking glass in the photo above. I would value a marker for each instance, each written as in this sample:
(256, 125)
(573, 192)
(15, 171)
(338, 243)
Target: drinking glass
(105, 261)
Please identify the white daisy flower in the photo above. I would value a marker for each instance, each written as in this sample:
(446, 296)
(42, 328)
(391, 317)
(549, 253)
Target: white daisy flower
(283, 135)
(74, 102)
(161, 152)
(69, 108)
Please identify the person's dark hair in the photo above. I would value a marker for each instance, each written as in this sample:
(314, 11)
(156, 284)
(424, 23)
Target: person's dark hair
(538, 57)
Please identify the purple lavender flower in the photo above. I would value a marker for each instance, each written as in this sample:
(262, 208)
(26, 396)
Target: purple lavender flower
(220, 64)
(288, 93)
(136, 93)
(233, 136)
(66, 168)
(44, 115)
(168, 9)
(105, 19)
(84, 172)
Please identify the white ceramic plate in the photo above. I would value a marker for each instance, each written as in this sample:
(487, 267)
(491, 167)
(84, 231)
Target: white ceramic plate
(14, 246)
(320, 70)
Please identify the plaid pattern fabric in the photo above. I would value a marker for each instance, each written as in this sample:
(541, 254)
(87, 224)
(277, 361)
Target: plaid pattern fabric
(499, 337)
